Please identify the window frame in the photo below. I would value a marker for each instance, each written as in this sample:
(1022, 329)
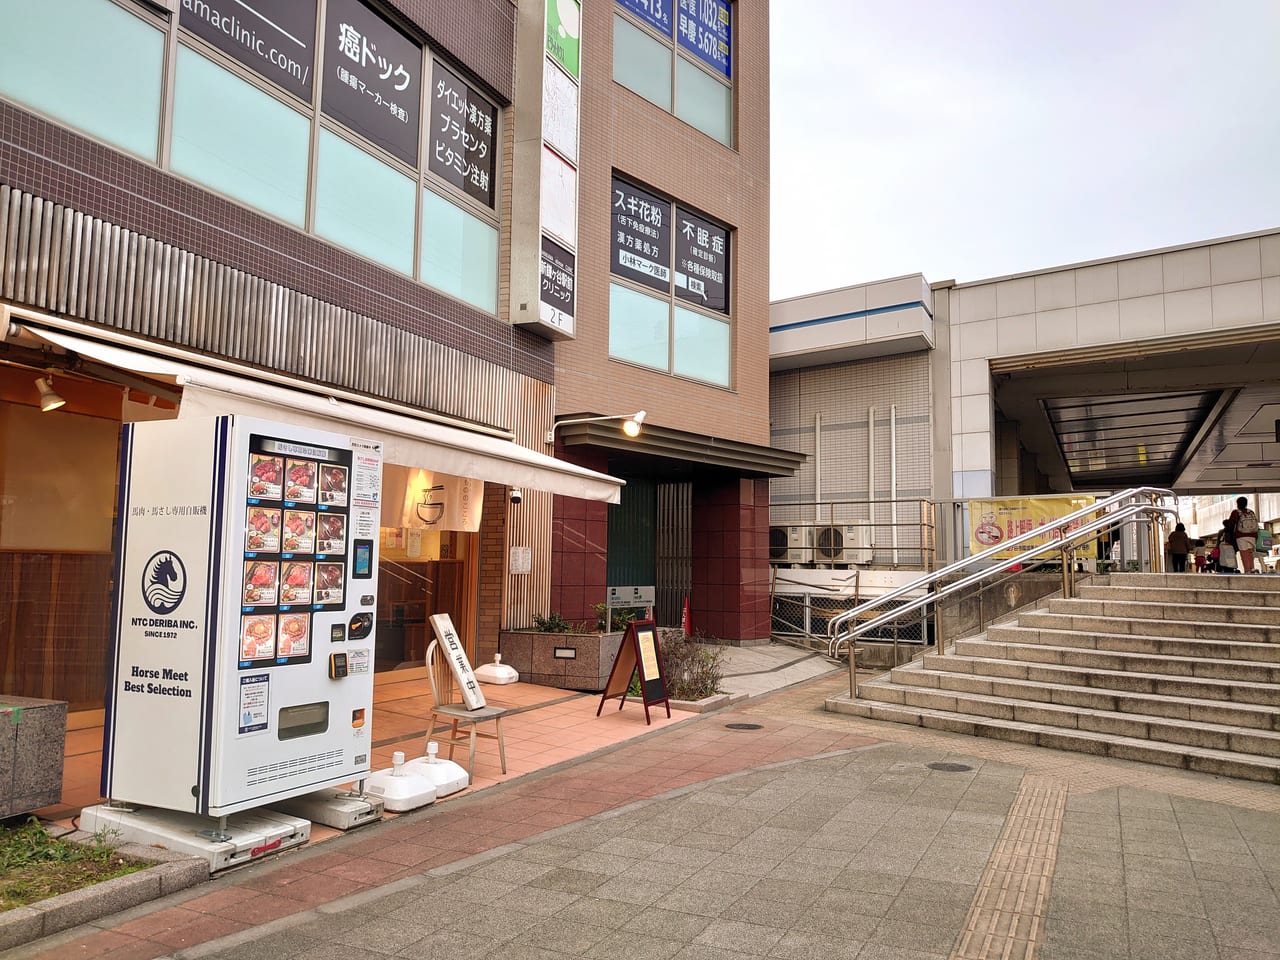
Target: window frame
(671, 299)
(677, 51)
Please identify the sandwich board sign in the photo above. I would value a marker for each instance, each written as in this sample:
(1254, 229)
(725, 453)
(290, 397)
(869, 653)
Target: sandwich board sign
(640, 652)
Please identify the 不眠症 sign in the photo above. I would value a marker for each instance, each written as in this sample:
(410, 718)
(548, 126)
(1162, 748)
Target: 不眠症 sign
(373, 78)
(702, 261)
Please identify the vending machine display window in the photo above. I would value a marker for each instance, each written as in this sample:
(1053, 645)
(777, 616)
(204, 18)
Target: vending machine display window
(295, 555)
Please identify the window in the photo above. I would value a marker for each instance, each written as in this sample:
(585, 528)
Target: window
(669, 302)
(243, 119)
(364, 204)
(638, 327)
(641, 63)
(654, 52)
(238, 139)
(90, 64)
(459, 252)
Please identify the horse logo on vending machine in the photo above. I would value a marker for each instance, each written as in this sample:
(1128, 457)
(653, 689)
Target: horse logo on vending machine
(164, 582)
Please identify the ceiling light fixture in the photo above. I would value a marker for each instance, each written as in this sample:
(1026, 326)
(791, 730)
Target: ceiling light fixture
(50, 399)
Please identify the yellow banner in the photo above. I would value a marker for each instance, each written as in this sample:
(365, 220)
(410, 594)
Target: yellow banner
(993, 522)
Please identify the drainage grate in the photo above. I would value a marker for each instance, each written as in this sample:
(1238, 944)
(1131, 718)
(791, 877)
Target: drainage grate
(949, 767)
(744, 726)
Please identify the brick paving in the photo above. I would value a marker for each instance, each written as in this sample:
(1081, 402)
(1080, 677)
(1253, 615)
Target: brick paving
(816, 835)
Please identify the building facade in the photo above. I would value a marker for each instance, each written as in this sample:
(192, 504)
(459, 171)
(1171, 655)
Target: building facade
(446, 227)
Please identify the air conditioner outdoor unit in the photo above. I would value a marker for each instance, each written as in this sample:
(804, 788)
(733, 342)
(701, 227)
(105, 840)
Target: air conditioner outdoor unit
(843, 543)
(789, 545)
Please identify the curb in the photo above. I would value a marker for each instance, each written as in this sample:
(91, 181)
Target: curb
(171, 872)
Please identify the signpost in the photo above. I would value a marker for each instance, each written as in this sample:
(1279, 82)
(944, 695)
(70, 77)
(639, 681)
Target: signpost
(640, 651)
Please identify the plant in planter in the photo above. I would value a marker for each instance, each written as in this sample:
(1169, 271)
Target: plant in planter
(694, 668)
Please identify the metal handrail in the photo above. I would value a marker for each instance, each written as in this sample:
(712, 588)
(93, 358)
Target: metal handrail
(1068, 535)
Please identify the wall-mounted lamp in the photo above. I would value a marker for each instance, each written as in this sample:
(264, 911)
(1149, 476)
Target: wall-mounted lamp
(427, 511)
(50, 399)
(631, 425)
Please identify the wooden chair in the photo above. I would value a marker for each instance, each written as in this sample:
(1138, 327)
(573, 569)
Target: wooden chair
(453, 712)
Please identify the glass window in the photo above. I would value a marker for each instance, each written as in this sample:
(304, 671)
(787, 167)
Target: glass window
(90, 64)
(703, 101)
(364, 204)
(237, 139)
(459, 252)
(702, 347)
(641, 63)
(638, 326)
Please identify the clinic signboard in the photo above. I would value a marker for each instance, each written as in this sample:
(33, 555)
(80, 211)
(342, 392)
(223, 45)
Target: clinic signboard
(273, 38)
(373, 78)
(460, 138)
(640, 241)
(556, 293)
(702, 262)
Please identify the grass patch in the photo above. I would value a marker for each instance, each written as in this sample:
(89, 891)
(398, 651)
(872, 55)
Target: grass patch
(35, 866)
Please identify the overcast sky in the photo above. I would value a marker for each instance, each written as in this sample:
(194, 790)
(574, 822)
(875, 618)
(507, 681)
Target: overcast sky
(968, 139)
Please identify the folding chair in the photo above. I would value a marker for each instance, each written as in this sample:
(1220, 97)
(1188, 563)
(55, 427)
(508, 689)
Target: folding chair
(454, 713)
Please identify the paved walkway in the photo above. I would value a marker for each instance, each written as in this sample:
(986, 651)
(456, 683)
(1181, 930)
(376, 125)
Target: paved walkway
(809, 835)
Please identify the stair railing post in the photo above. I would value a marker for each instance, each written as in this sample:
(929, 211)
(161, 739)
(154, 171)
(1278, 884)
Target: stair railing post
(937, 620)
(1068, 585)
(853, 668)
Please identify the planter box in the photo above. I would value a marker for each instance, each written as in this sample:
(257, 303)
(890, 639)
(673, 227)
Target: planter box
(32, 736)
(571, 661)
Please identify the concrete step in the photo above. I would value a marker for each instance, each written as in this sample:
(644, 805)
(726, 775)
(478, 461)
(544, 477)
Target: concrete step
(1186, 629)
(1163, 645)
(1149, 610)
(1214, 736)
(1202, 701)
(1215, 597)
(1089, 660)
(1263, 695)
(1224, 763)
(1257, 581)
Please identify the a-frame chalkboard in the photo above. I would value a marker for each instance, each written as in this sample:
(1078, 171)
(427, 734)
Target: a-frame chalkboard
(640, 651)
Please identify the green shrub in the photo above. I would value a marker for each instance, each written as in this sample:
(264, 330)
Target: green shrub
(618, 619)
(694, 669)
(553, 623)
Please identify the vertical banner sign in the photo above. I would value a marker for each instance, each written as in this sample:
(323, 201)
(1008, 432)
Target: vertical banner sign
(640, 247)
(656, 13)
(373, 78)
(559, 111)
(564, 34)
(558, 203)
(702, 27)
(273, 38)
(556, 295)
(702, 262)
(460, 140)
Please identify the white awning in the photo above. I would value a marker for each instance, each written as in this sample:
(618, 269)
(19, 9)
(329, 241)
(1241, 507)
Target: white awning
(407, 440)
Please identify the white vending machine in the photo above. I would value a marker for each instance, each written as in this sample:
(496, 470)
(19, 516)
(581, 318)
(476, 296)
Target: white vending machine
(242, 661)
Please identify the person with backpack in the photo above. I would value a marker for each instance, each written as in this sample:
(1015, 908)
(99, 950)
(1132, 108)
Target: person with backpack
(1244, 522)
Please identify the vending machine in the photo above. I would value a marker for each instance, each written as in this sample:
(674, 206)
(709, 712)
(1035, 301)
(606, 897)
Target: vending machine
(242, 657)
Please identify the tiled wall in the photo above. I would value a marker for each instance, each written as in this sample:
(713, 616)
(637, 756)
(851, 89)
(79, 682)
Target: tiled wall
(1211, 286)
(622, 131)
(580, 549)
(730, 597)
(842, 394)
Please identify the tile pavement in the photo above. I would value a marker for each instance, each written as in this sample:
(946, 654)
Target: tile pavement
(815, 836)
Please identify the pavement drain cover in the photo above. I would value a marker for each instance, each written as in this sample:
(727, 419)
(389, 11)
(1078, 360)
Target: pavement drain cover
(949, 767)
(744, 726)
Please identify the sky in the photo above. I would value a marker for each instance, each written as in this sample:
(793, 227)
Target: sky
(969, 139)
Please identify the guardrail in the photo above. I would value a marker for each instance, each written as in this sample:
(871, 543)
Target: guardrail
(1065, 533)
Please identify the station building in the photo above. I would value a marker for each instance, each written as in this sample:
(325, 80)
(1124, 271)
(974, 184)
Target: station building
(482, 233)
(912, 399)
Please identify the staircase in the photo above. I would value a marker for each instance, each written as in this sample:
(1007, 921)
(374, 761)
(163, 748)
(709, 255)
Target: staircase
(1181, 670)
